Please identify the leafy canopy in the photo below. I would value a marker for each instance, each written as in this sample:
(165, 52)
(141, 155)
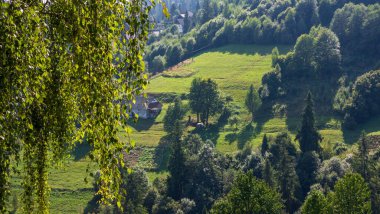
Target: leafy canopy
(67, 68)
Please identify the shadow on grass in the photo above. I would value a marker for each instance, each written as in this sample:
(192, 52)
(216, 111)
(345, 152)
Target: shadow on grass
(352, 136)
(231, 137)
(162, 154)
(209, 133)
(323, 92)
(263, 115)
(142, 124)
(93, 205)
(242, 137)
(251, 49)
(245, 136)
(81, 150)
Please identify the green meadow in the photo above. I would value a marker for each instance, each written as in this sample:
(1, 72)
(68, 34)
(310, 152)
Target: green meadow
(234, 68)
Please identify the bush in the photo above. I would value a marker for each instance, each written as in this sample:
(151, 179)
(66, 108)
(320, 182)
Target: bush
(365, 99)
(174, 54)
(271, 85)
(157, 64)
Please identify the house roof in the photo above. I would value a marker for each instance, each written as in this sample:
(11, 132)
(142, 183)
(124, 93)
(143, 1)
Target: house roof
(155, 105)
(189, 13)
(143, 103)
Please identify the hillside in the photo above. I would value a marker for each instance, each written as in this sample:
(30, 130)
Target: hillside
(234, 68)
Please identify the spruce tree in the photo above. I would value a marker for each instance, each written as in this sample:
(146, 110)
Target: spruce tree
(187, 23)
(309, 137)
(362, 159)
(368, 167)
(285, 165)
(177, 167)
(269, 174)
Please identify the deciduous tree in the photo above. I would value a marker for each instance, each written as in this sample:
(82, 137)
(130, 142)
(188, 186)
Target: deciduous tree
(249, 195)
(66, 68)
(252, 101)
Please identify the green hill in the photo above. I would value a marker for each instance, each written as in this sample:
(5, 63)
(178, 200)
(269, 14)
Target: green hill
(234, 68)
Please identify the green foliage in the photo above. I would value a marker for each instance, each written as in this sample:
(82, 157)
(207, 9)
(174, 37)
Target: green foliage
(252, 100)
(327, 54)
(177, 169)
(195, 172)
(342, 96)
(205, 99)
(331, 171)
(58, 87)
(315, 203)
(303, 54)
(307, 169)
(353, 24)
(308, 136)
(174, 54)
(351, 195)
(249, 195)
(157, 64)
(271, 84)
(275, 54)
(316, 54)
(135, 185)
(367, 166)
(306, 15)
(173, 119)
(269, 175)
(364, 100)
(234, 122)
(284, 162)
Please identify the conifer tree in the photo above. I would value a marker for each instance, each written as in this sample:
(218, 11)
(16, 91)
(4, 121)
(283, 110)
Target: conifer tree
(362, 159)
(269, 174)
(187, 23)
(177, 178)
(309, 137)
(287, 177)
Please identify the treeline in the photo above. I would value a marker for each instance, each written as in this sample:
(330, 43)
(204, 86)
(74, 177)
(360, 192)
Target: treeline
(278, 177)
(267, 22)
(360, 101)
(317, 56)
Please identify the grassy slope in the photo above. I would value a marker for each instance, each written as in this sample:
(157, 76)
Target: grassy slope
(69, 192)
(234, 68)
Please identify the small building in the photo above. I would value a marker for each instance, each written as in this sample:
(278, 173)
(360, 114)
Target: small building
(189, 14)
(146, 108)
